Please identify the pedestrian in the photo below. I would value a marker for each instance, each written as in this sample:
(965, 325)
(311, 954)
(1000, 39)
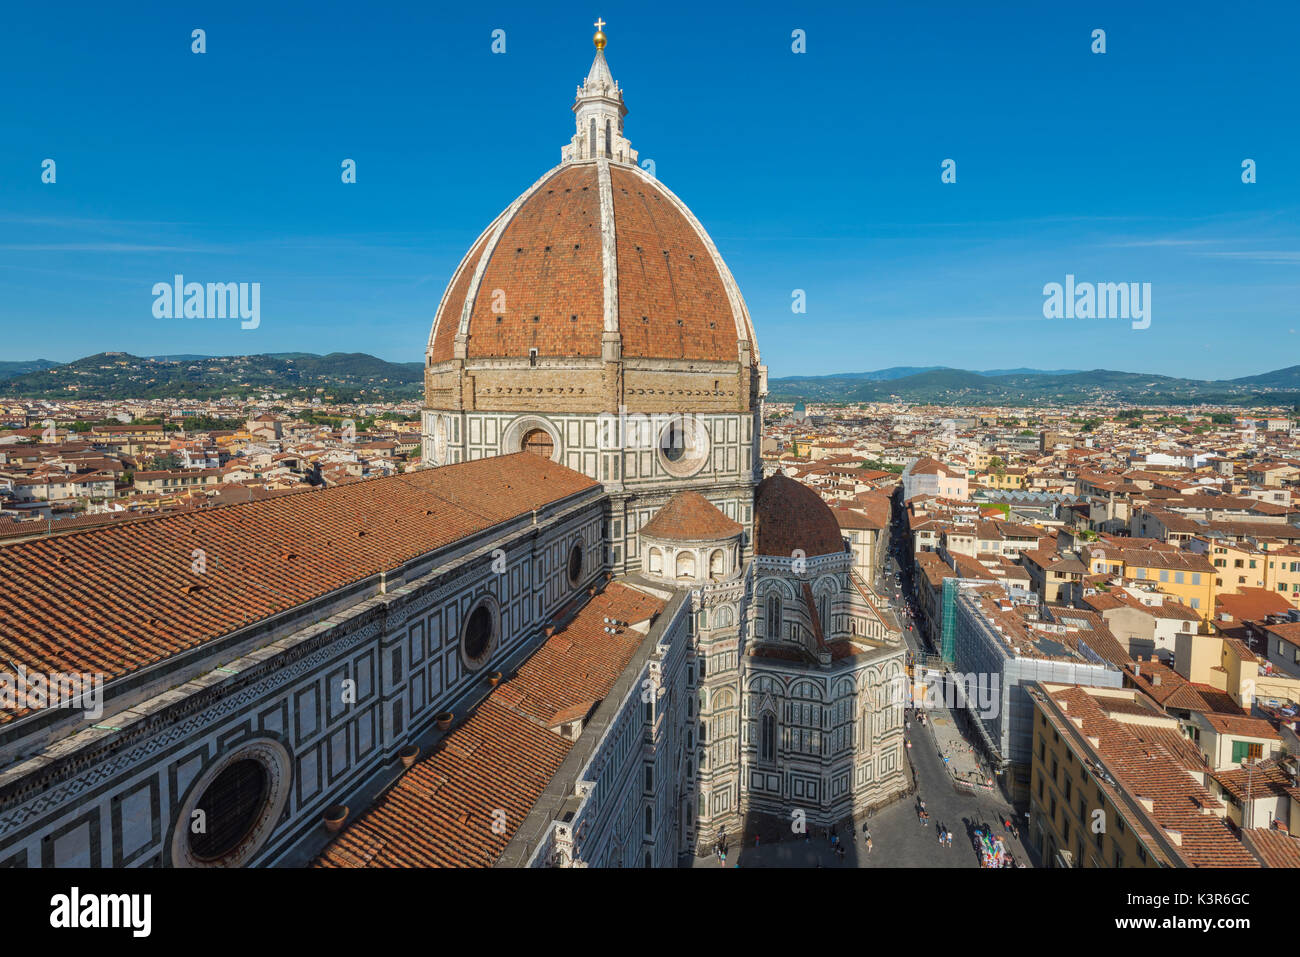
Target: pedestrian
(868, 843)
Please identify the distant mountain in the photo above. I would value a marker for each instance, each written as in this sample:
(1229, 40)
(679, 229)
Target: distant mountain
(341, 376)
(893, 372)
(820, 386)
(10, 369)
(352, 376)
(945, 386)
(1288, 378)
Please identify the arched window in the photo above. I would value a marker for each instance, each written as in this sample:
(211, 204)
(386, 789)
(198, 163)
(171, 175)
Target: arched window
(685, 564)
(649, 829)
(773, 617)
(591, 144)
(824, 613)
(656, 561)
(608, 140)
(767, 737)
(717, 564)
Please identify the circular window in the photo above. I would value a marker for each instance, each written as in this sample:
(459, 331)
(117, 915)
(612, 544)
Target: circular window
(479, 638)
(575, 564)
(230, 807)
(673, 442)
(539, 442)
(233, 806)
(683, 446)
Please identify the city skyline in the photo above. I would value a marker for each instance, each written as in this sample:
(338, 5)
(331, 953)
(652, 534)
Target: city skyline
(735, 498)
(1115, 167)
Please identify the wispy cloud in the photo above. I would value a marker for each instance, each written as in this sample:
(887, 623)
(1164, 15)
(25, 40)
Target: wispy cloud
(1273, 257)
(82, 221)
(100, 248)
(1166, 242)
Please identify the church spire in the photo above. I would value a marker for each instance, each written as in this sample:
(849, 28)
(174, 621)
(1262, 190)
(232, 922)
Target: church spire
(598, 113)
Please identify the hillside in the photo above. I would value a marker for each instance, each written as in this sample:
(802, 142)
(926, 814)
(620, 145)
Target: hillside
(1033, 387)
(350, 376)
(10, 369)
(341, 376)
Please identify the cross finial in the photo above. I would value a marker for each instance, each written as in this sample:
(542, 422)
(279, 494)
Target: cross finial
(599, 24)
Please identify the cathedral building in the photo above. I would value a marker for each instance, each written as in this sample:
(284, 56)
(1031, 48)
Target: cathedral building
(589, 633)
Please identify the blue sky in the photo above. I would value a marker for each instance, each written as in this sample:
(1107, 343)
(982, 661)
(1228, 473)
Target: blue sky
(817, 171)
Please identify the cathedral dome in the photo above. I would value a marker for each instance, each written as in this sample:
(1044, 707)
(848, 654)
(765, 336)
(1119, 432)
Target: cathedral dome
(790, 516)
(596, 290)
(591, 249)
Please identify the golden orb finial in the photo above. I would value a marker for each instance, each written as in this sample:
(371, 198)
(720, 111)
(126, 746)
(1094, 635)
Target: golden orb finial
(599, 39)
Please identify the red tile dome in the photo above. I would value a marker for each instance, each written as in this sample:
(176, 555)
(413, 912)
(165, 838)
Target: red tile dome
(789, 516)
(593, 248)
(689, 516)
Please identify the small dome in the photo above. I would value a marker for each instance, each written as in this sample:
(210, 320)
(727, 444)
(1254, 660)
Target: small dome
(690, 517)
(790, 516)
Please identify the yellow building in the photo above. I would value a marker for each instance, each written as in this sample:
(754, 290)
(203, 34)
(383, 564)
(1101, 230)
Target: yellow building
(1237, 566)
(1185, 576)
(1012, 479)
(1282, 572)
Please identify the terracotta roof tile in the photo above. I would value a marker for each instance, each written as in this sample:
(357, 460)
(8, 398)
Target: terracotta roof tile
(689, 516)
(790, 516)
(112, 600)
(441, 812)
